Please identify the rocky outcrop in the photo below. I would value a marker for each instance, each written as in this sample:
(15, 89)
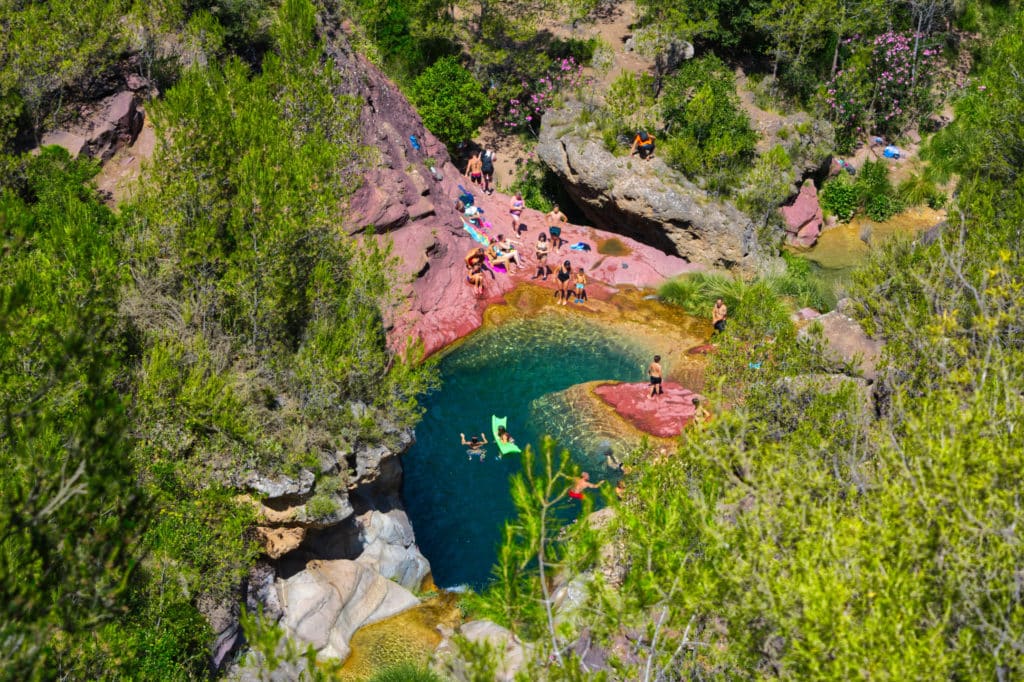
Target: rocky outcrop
(803, 217)
(645, 200)
(507, 652)
(846, 342)
(112, 123)
(327, 602)
(389, 547)
(663, 416)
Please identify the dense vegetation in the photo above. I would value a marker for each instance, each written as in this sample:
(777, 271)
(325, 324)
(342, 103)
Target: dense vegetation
(221, 324)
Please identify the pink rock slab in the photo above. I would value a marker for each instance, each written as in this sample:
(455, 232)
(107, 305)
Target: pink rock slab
(442, 306)
(663, 416)
(803, 217)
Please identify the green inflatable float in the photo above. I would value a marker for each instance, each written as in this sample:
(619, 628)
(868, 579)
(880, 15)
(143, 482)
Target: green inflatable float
(504, 448)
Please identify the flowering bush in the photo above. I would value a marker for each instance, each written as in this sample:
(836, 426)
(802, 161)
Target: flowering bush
(525, 111)
(890, 94)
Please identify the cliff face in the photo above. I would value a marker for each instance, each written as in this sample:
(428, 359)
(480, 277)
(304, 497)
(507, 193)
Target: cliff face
(645, 200)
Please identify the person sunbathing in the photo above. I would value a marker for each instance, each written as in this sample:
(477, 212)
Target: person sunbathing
(504, 436)
(503, 252)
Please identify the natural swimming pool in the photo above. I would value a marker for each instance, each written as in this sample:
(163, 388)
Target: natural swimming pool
(457, 506)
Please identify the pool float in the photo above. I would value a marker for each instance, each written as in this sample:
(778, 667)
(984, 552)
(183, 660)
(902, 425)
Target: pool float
(504, 448)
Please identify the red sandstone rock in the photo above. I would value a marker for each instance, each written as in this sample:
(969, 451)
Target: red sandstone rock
(664, 416)
(803, 217)
(416, 208)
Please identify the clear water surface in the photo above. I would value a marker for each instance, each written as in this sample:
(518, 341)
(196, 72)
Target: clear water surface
(457, 506)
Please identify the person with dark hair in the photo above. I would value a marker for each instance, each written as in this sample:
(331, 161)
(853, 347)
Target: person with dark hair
(654, 372)
(556, 216)
(487, 167)
(700, 414)
(542, 257)
(643, 144)
(476, 445)
(563, 276)
(474, 170)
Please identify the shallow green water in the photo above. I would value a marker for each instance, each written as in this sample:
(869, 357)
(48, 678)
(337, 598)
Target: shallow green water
(457, 506)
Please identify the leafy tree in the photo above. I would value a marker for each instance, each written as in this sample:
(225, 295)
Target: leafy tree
(70, 509)
(450, 100)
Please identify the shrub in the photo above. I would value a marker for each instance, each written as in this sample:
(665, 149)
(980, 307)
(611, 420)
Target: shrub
(451, 101)
(839, 197)
(406, 672)
(919, 190)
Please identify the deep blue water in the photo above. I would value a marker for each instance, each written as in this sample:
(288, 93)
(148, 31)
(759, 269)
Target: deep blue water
(457, 506)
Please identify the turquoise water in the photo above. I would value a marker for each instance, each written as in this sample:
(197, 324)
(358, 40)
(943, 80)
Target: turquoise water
(457, 506)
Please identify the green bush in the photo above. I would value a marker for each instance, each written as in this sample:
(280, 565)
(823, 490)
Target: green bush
(710, 135)
(881, 207)
(918, 190)
(450, 100)
(839, 197)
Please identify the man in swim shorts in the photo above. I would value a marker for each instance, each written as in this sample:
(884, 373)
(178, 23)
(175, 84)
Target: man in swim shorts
(654, 372)
(474, 169)
(556, 216)
(476, 445)
(581, 484)
(718, 315)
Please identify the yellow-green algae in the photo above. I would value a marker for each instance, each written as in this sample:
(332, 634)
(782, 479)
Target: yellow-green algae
(409, 637)
(843, 246)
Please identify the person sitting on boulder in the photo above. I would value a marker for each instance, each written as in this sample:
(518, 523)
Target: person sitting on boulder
(643, 144)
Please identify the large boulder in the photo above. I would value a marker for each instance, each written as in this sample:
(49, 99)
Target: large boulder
(803, 217)
(389, 547)
(327, 602)
(112, 123)
(645, 200)
(847, 342)
(663, 416)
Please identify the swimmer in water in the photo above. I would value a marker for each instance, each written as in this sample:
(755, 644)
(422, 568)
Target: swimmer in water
(476, 445)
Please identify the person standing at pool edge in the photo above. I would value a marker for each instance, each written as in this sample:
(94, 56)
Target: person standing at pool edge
(563, 275)
(556, 216)
(654, 372)
(718, 315)
(515, 209)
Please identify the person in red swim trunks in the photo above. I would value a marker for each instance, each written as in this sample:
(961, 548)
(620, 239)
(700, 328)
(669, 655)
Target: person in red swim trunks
(581, 484)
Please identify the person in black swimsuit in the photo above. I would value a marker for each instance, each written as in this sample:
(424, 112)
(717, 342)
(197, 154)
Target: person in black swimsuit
(564, 275)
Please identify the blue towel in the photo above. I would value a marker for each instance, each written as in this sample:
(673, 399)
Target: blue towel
(474, 234)
(580, 246)
(415, 143)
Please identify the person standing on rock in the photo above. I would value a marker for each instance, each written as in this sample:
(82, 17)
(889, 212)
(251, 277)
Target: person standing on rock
(556, 216)
(581, 285)
(564, 275)
(582, 483)
(515, 209)
(487, 168)
(654, 372)
(474, 169)
(718, 315)
(542, 257)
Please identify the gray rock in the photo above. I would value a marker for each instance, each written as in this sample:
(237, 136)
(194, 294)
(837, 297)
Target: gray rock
(328, 601)
(847, 342)
(222, 615)
(261, 592)
(509, 652)
(281, 486)
(645, 200)
(389, 547)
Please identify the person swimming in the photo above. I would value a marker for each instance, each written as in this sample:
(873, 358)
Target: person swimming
(582, 483)
(476, 446)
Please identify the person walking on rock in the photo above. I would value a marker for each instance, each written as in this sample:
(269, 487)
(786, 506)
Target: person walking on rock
(487, 168)
(474, 169)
